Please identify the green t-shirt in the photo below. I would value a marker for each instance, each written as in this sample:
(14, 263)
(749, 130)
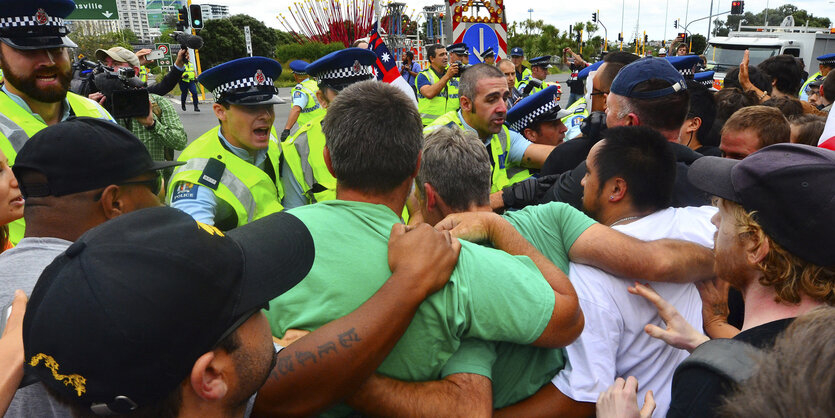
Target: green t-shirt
(491, 295)
(518, 371)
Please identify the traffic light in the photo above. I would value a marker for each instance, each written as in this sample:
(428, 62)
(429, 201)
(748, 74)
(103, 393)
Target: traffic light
(579, 38)
(646, 39)
(675, 23)
(620, 37)
(196, 16)
(594, 17)
(182, 18)
(737, 7)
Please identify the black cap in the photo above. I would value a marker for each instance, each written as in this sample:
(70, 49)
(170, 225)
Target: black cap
(82, 154)
(35, 24)
(118, 320)
(791, 189)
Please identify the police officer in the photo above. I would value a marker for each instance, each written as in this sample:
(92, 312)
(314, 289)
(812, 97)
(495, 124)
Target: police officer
(459, 52)
(188, 84)
(37, 70)
(483, 110)
(231, 173)
(517, 55)
(580, 109)
(538, 118)
(305, 106)
(825, 64)
(536, 81)
(437, 86)
(488, 56)
(304, 174)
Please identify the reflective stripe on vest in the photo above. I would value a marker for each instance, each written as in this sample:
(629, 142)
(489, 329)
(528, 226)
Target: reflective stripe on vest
(303, 153)
(14, 133)
(445, 101)
(232, 182)
(813, 77)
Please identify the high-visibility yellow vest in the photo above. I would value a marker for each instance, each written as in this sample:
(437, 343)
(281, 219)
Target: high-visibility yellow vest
(499, 146)
(813, 77)
(445, 101)
(143, 74)
(579, 112)
(312, 110)
(526, 72)
(522, 84)
(188, 73)
(250, 191)
(17, 125)
(304, 155)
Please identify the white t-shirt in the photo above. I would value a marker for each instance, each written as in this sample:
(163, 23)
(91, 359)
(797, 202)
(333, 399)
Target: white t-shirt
(615, 319)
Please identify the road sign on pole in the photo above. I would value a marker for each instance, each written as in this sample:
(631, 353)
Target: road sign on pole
(248, 41)
(479, 37)
(165, 61)
(94, 10)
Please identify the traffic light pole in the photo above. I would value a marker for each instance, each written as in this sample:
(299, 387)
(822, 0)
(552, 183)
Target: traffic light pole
(194, 56)
(702, 18)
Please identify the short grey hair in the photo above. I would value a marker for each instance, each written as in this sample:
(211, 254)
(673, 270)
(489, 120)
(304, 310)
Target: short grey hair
(374, 134)
(457, 165)
(468, 85)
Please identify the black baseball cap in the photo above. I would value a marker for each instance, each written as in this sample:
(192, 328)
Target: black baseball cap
(117, 321)
(82, 154)
(789, 187)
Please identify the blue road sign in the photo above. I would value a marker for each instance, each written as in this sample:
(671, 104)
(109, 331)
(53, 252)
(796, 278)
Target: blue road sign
(479, 37)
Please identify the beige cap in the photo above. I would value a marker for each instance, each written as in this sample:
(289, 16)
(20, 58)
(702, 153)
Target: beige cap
(118, 54)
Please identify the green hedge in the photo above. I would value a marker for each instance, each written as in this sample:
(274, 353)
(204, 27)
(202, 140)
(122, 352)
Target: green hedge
(309, 51)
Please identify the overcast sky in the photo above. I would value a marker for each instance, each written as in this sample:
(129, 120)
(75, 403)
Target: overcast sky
(612, 12)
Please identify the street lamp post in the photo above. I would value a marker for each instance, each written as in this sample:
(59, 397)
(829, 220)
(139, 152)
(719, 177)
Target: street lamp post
(530, 20)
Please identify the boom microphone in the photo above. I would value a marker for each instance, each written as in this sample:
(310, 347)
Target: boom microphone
(186, 40)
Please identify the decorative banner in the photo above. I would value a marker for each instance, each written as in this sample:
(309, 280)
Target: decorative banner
(94, 10)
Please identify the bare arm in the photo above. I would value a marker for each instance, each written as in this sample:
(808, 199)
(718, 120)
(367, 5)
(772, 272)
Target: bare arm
(664, 260)
(536, 155)
(715, 311)
(547, 402)
(295, 111)
(432, 90)
(566, 322)
(457, 395)
(303, 381)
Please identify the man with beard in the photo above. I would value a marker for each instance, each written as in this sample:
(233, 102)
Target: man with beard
(37, 73)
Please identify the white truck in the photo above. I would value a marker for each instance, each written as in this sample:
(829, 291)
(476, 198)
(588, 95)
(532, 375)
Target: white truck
(725, 52)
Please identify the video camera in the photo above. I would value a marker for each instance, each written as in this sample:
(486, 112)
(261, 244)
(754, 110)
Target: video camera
(461, 67)
(126, 95)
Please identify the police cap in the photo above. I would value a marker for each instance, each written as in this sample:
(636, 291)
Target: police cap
(685, 64)
(827, 60)
(488, 52)
(517, 52)
(244, 81)
(340, 69)
(298, 66)
(35, 25)
(459, 48)
(538, 107)
(543, 61)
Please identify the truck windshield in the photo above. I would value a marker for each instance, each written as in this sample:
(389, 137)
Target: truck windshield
(721, 58)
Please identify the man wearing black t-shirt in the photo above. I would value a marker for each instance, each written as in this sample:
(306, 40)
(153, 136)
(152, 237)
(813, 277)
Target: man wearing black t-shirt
(575, 63)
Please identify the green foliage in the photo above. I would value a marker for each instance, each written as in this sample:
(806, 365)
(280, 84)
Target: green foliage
(308, 51)
(88, 44)
(775, 16)
(539, 38)
(223, 40)
(699, 43)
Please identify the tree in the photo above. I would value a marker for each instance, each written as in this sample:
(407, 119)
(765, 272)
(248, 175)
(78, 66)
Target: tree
(223, 40)
(775, 17)
(88, 44)
(698, 43)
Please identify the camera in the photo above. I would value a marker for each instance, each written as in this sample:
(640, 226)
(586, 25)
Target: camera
(461, 67)
(126, 95)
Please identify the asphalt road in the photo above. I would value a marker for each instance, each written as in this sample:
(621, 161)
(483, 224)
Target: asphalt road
(197, 123)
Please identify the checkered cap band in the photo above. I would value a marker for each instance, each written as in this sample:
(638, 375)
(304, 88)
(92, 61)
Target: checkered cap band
(25, 21)
(707, 83)
(686, 72)
(528, 119)
(345, 72)
(244, 82)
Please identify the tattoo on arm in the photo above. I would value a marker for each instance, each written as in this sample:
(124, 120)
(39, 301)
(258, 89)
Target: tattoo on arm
(285, 364)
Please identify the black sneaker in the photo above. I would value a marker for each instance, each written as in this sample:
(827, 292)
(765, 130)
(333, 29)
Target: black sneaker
(196, 109)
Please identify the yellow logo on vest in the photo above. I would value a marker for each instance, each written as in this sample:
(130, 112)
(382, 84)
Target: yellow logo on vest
(73, 380)
(210, 229)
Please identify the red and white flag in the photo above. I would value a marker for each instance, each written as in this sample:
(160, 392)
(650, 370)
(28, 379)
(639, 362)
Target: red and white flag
(387, 71)
(827, 139)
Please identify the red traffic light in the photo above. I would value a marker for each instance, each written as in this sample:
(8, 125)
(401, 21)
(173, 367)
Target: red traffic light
(737, 7)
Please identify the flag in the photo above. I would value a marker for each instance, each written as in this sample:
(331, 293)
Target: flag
(827, 139)
(386, 64)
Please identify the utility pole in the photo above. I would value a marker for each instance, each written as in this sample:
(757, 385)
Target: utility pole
(666, 12)
(710, 20)
(530, 20)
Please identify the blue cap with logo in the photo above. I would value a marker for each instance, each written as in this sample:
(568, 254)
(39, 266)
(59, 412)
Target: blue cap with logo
(685, 64)
(827, 59)
(488, 52)
(586, 71)
(298, 66)
(340, 69)
(517, 52)
(541, 106)
(459, 48)
(704, 78)
(243, 81)
(646, 69)
(543, 61)
(35, 25)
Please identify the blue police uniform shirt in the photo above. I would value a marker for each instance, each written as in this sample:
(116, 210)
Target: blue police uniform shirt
(518, 143)
(22, 103)
(300, 99)
(200, 202)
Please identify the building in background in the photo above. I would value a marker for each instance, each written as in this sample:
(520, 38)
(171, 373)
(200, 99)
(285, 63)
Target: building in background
(133, 15)
(162, 12)
(214, 11)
